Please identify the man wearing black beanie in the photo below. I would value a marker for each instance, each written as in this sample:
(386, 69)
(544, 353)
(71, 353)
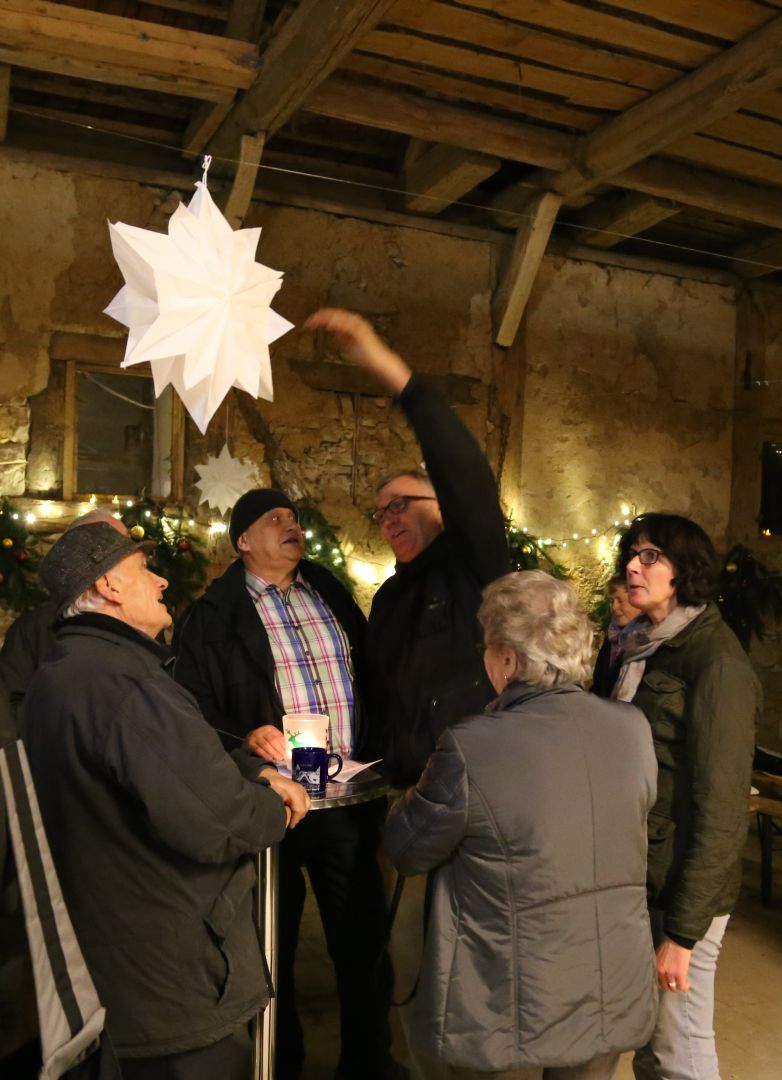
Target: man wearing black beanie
(278, 634)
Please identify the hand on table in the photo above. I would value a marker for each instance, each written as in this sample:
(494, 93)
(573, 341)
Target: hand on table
(294, 796)
(673, 964)
(267, 742)
(359, 342)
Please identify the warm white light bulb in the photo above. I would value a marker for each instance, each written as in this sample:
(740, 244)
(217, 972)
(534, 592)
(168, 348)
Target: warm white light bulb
(30, 518)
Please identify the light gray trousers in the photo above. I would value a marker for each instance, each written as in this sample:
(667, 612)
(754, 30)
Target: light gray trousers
(683, 1045)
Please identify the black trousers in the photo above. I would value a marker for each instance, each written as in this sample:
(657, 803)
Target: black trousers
(228, 1059)
(338, 847)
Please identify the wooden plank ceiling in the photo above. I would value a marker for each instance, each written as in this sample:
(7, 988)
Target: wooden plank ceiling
(654, 125)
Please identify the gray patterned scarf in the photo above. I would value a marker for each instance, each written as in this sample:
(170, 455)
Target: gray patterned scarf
(644, 639)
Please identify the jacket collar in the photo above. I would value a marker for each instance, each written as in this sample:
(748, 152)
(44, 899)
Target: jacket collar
(95, 624)
(431, 555)
(708, 618)
(518, 693)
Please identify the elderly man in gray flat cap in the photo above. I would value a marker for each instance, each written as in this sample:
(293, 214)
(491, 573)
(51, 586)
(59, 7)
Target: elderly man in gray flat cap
(152, 825)
(30, 640)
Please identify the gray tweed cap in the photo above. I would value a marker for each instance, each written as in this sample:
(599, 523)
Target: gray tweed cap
(81, 555)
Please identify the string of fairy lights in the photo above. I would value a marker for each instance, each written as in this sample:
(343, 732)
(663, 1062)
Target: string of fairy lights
(593, 536)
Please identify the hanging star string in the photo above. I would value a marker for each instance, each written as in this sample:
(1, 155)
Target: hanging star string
(197, 305)
(223, 479)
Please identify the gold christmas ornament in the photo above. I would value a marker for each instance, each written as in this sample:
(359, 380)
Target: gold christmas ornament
(7, 542)
(137, 532)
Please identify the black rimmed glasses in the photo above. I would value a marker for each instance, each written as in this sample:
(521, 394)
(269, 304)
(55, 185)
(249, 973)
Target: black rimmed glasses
(645, 556)
(398, 505)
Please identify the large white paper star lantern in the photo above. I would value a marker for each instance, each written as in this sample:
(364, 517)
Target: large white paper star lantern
(196, 305)
(223, 479)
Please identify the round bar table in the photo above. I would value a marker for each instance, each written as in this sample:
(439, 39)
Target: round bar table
(368, 785)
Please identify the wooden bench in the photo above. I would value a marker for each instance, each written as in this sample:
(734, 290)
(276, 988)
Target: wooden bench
(768, 806)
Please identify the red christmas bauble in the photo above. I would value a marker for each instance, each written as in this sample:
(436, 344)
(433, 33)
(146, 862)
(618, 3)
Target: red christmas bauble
(184, 545)
(22, 556)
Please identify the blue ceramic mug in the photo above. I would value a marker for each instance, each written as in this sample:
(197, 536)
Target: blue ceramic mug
(311, 768)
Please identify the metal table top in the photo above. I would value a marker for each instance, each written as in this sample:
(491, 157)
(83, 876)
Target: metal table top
(367, 785)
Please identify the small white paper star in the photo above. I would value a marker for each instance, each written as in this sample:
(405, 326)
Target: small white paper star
(196, 305)
(223, 479)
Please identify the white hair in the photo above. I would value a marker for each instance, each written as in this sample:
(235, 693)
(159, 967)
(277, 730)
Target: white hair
(89, 600)
(541, 619)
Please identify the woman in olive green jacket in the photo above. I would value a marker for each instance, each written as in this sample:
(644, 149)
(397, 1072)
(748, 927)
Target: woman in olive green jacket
(684, 668)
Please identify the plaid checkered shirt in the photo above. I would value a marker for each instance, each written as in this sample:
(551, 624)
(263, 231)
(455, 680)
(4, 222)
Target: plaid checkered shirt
(312, 666)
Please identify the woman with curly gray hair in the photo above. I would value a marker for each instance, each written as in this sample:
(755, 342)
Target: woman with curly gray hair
(538, 959)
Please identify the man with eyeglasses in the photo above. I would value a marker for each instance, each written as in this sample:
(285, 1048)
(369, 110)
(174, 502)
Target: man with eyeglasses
(446, 530)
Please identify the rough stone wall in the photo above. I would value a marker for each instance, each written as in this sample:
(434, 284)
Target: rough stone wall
(628, 375)
(767, 654)
(628, 398)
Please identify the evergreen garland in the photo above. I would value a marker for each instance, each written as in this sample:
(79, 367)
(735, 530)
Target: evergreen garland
(321, 544)
(528, 552)
(178, 556)
(19, 588)
(750, 595)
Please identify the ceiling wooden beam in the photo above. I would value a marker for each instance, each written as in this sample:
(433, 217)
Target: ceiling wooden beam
(203, 8)
(436, 121)
(305, 50)
(206, 119)
(86, 44)
(714, 192)
(40, 82)
(245, 20)
(759, 257)
(512, 293)
(717, 89)
(238, 202)
(5, 85)
(612, 218)
(442, 174)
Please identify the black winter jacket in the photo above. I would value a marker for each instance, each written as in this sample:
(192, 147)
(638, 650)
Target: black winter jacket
(152, 827)
(424, 643)
(702, 700)
(225, 660)
(29, 641)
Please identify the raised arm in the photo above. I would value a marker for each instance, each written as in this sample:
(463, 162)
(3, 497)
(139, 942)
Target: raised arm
(359, 342)
(462, 478)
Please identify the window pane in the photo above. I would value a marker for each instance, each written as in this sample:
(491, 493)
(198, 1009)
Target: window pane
(116, 433)
(771, 490)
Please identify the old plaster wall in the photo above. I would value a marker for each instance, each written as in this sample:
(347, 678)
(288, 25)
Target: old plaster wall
(56, 274)
(628, 384)
(628, 398)
(767, 392)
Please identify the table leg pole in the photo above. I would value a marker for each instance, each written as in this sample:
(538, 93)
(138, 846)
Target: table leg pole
(267, 916)
(765, 828)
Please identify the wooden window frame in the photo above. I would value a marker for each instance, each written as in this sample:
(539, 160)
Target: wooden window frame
(89, 352)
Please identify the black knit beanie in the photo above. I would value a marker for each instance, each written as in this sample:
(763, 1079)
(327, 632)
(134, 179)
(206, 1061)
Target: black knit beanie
(254, 504)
